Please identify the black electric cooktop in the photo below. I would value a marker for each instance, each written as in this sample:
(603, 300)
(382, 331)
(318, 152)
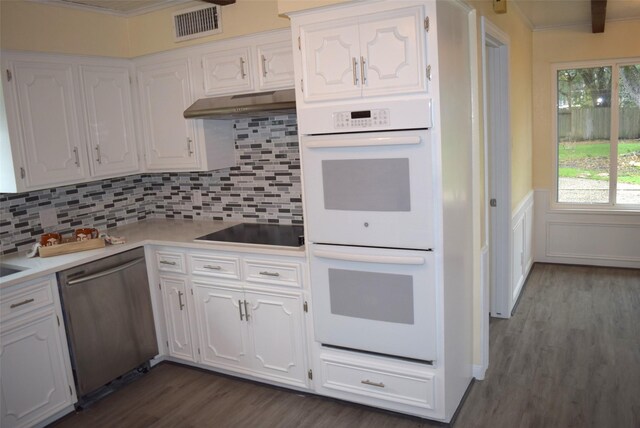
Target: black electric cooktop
(263, 234)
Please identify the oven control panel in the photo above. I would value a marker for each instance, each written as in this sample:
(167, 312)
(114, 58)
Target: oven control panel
(361, 119)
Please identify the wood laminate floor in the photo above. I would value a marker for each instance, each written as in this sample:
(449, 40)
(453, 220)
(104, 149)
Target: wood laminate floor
(570, 357)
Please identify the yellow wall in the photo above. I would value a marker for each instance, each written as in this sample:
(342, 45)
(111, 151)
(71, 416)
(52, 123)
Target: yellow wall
(153, 32)
(39, 27)
(619, 40)
(285, 6)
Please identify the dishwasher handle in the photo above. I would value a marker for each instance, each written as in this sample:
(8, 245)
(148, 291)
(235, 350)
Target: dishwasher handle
(105, 272)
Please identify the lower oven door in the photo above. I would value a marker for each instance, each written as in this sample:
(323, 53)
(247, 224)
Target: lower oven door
(375, 300)
(359, 188)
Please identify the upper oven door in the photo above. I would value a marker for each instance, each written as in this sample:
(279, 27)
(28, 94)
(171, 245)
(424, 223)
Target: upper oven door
(372, 189)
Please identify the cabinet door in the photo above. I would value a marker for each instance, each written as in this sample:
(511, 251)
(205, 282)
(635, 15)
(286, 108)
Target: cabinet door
(392, 55)
(174, 294)
(227, 71)
(275, 65)
(331, 61)
(277, 330)
(33, 383)
(222, 325)
(107, 97)
(165, 94)
(52, 150)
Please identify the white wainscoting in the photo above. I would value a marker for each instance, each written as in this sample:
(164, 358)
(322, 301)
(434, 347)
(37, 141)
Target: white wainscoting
(585, 237)
(521, 246)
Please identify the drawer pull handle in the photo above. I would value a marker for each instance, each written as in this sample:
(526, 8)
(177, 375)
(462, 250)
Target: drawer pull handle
(212, 267)
(24, 302)
(368, 382)
(180, 304)
(240, 309)
(165, 262)
(265, 273)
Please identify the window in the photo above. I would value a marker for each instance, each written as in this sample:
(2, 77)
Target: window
(598, 134)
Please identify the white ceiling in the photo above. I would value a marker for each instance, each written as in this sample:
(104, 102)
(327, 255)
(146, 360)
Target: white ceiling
(540, 13)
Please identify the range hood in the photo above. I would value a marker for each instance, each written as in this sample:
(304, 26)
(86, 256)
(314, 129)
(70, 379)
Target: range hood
(234, 106)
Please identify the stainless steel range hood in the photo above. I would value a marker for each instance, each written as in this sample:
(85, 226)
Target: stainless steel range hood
(234, 106)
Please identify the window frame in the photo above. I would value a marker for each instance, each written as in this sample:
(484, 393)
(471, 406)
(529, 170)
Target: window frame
(612, 206)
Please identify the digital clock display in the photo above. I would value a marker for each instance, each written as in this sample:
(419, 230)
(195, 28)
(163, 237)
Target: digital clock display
(361, 114)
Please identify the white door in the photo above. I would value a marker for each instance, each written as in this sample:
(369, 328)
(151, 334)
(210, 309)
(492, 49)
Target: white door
(222, 324)
(360, 187)
(52, 148)
(331, 61)
(275, 65)
(112, 140)
(277, 330)
(165, 94)
(374, 299)
(227, 71)
(33, 383)
(174, 294)
(392, 52)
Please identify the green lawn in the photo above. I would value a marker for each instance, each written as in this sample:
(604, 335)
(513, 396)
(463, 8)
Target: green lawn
(589, 160)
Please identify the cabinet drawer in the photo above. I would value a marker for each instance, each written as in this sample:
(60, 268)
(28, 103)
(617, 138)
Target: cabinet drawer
(218, 266)
(36, 294)
(274, 273)
(366, 378)
(167, 261)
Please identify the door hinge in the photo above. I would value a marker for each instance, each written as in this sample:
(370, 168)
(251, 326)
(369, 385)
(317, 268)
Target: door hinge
(58, 319)
(493, 202)
(159, 286)
(305, 306)
(191, 291)
(70, 390)
(310, 374)
(429, 72)
(302, 85)
(23, 173)
(198, 351)
(299, 44)
(167, 343)
(426, 24)
(9, 75)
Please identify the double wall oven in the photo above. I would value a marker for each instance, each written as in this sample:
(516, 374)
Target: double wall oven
(369, 213)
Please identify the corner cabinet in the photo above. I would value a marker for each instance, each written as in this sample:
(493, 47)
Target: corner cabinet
(243, 313)
(70, 119)
(370, 55)
(36, 383)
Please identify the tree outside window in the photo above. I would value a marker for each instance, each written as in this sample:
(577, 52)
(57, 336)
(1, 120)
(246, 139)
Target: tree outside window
(598, 134)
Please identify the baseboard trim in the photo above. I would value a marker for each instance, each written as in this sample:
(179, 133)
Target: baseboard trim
(479, 371)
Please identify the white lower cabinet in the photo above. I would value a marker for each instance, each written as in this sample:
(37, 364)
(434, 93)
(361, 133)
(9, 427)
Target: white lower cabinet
(178, 320)
(35, 373)
(229, 310)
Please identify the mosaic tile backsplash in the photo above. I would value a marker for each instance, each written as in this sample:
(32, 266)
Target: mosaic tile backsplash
(264, 186)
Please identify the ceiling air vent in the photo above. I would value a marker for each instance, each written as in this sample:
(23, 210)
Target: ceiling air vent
(197, 22)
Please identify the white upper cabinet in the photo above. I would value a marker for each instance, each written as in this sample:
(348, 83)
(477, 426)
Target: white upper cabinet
(44, 116)
(165, 93)
(110, 125)
(70, 119)
(275, 65)
(248, 64)
(227, 71)
(372, 55)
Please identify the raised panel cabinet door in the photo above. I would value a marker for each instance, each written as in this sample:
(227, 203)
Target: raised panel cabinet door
(112, 141)
(33, 382)
(331, 61)
(52, 149)
(165, 94)
(174, 295)
(277, 330)
(392, 46)
(227, 71)
(222, 326)
(275, 65)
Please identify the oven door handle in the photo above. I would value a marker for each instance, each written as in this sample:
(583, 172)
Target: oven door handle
(363, 142)
(364, 258)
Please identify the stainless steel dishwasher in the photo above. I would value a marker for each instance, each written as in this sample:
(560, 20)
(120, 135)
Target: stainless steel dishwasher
(109, 319)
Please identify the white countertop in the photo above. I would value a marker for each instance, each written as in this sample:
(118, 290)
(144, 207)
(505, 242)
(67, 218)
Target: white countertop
(175, 233)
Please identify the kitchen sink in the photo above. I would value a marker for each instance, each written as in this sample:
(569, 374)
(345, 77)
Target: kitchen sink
(9, 270)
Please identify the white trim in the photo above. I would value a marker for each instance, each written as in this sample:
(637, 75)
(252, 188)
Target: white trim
(162, 4)
(479, 371)
(516, 6)
(485, 307)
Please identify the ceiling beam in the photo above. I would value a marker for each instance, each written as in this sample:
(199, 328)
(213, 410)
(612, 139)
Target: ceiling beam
(598, 15)
(220, 2)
